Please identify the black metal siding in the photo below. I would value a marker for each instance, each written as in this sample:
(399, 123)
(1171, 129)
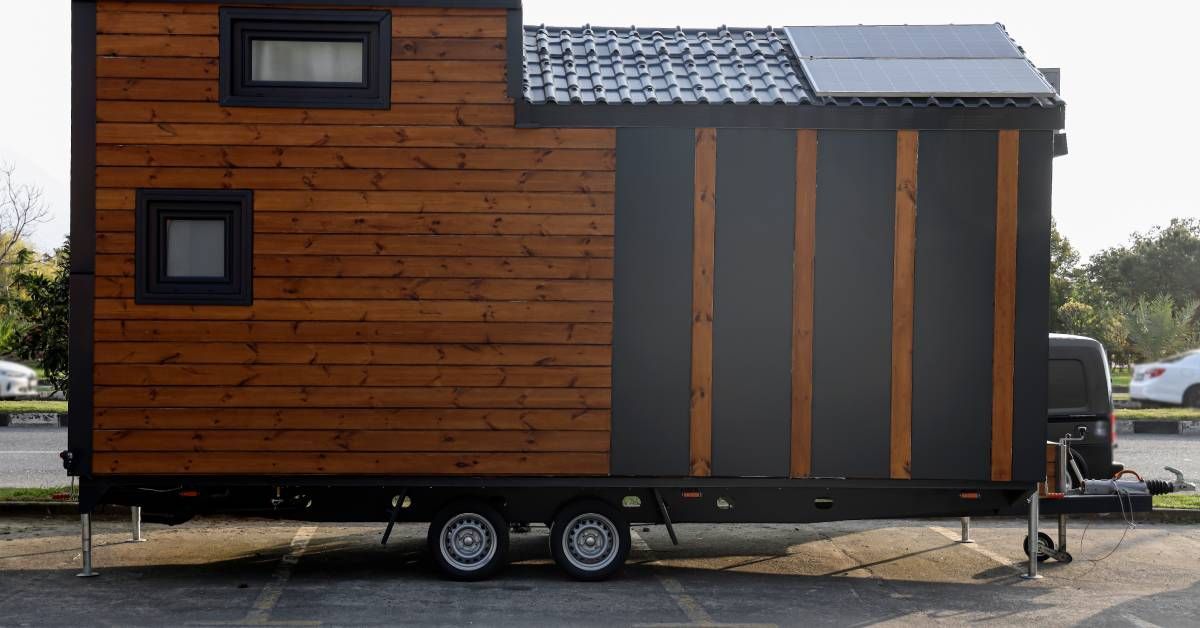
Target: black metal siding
(752, 307)
(652, 302)
(1033, 303)
(955, 285)
(852, 303)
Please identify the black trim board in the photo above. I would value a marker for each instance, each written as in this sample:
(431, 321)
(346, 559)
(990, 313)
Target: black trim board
(652, 302)
(1030, 357)
(450, 4)
(175, 481)
(852, 328)
(83, 233)
(514, 54)
(752, 302)
(953, 305)
(852, 117)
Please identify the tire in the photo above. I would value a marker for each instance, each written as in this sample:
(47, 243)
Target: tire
(468, 540)
(1080, 462)
(1044, 543)
(1191, 397)
(589, 539)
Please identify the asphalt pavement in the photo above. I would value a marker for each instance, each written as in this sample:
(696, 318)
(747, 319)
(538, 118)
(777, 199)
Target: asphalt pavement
(1149, 453)
(256, 572)
(29, 455)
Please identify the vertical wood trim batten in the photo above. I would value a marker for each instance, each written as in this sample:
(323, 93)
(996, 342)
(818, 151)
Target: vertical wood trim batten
(703, 253)
(802, 302)
(903, 285)
(1003, 346)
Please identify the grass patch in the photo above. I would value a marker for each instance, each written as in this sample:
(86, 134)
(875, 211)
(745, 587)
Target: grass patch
(1121, 378)
(33, 405)
(1190, 501)
(1158, 414)
(29, 494)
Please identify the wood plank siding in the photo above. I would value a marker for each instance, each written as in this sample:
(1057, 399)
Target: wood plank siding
(802, 302)
(432, 286)
(703, 242)
(903, 280)
(1004, 339)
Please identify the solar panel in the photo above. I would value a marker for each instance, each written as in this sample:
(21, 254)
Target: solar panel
(925, 77)
(967, 41)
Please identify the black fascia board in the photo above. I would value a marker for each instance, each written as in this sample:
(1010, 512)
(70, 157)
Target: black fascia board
(83, 235)
(850, 117)
(515, 55)
(448, 4)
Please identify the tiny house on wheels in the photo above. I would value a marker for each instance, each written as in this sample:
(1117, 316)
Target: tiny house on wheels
(410, 260)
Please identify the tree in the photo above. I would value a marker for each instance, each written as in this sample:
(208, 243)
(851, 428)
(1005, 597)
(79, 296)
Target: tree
(1156, 328)
(1101, 321)
(1064, 260)
(1162, 262)
(22, 207)
(42, 303)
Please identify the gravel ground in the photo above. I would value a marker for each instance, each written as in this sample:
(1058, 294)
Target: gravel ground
(256, 572)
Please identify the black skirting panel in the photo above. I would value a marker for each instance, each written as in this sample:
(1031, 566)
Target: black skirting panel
(1033, 303)
(955, 284)
(752, 307)
(652, 302)
(852, 311)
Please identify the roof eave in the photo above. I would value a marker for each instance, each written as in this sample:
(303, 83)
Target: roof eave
(790, 116)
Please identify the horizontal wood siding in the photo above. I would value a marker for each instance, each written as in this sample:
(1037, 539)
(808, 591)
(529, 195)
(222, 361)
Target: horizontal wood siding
(433, 287)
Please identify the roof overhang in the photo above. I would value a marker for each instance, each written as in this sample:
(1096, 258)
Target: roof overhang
(791, 116)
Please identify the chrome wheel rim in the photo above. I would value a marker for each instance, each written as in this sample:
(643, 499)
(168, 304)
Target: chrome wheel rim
(468, 541)
(590, 542)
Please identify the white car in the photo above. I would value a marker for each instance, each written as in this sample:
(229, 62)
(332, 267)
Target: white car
(1174, 380)
(17, 380)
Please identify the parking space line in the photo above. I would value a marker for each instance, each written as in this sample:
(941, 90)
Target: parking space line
(260, 614)
(978, 547)
(692, 609)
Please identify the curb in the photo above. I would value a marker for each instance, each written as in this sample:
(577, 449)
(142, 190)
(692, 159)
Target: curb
(32, 419)
(55, 509)
(1174, 515)
(1177, 427)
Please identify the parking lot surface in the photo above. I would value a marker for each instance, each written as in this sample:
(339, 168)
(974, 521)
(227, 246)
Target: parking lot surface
(257, 572)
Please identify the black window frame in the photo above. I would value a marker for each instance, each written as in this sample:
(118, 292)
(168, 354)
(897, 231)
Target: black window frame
(156, 206)
(239, 27)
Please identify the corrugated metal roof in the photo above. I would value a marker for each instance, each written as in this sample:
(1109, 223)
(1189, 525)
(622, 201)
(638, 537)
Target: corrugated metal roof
(640, 66)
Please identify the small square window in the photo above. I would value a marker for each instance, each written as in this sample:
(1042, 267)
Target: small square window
(194, 247)
(300, 58)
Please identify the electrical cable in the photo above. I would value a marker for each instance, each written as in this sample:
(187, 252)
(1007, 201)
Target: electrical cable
(1123, 496)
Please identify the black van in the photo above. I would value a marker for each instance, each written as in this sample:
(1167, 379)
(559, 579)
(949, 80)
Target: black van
(1080, 395)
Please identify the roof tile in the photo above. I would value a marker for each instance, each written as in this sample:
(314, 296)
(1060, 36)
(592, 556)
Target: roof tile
(589, 65)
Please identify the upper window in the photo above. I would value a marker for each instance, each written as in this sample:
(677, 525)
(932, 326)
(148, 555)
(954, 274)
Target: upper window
(194, 247)
(292, 58)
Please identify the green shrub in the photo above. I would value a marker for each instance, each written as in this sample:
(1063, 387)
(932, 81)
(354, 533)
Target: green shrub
(43, 303)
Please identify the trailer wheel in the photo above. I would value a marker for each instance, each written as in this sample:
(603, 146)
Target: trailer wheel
(1045, 546)
(590, 540)
(468, 540)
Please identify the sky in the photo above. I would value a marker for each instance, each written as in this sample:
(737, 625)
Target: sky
(1124, 65)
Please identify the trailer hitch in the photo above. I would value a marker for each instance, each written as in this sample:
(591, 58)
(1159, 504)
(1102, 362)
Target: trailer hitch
(1180, 484)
